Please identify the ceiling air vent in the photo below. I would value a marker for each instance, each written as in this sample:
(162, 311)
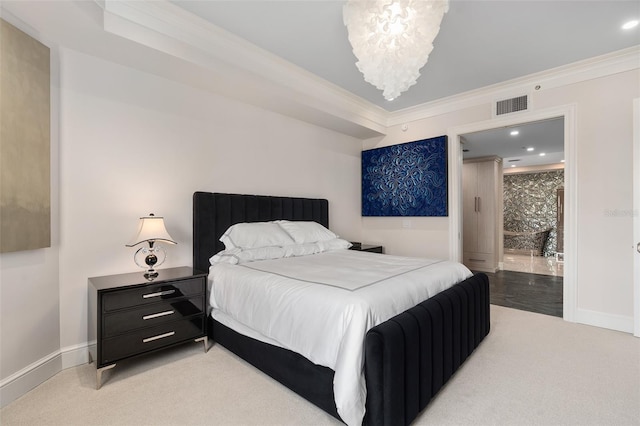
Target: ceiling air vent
(507, 106)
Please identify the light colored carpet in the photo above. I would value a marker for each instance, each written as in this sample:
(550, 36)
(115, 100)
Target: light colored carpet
(532, 369)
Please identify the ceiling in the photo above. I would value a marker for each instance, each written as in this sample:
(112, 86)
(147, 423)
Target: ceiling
(293, 56)
(480, 43)
(535, 144)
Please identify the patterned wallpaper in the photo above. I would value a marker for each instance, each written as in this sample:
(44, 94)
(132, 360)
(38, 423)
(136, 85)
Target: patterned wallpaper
(530, 205)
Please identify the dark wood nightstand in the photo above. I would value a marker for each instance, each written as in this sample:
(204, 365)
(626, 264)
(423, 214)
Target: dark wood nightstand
(130, 315)
(366, 247)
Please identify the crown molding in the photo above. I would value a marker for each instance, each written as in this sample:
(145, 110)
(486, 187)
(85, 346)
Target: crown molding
(240, 70)
(255, 75)
(600, 66)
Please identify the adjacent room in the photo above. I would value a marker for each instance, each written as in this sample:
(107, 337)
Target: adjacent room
(319, 212)
(525, 181)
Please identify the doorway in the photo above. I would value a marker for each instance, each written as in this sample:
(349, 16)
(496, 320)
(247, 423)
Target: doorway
(527, 221)
(566, 115)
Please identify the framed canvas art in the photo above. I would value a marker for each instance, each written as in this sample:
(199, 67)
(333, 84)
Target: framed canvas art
(408, 179)
(25, 194)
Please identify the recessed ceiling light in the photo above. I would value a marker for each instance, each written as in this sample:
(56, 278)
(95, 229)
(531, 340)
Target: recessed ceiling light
(630, 24)
(530, 149)
(562, 161)
(513, 165)
(514, 132)
(542, 154)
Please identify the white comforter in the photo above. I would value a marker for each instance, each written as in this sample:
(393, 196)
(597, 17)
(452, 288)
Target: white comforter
(322, 305)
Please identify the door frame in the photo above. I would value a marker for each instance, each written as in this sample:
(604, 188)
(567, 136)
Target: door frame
(636, 216)
(568, 112)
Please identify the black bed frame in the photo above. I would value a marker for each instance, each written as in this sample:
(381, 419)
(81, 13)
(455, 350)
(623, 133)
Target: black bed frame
(407, 358)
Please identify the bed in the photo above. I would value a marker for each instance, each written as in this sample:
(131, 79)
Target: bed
(407, 358)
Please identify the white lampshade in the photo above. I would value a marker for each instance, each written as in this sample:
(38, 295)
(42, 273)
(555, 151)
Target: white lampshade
(151, 229)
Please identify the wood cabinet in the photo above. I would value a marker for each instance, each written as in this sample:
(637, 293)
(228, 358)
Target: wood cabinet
(482, 213)
(130, 316)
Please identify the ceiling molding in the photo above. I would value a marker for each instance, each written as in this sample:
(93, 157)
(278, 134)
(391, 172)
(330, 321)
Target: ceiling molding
(170, 42)
(534, 169)
(600, 66)
(258, 76)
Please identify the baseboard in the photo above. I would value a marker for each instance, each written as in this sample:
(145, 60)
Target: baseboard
(21, 382)
(18, 384)
(72, 356)
(600, 319)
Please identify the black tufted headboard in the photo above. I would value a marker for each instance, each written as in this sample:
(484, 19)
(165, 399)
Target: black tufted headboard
(214, 212)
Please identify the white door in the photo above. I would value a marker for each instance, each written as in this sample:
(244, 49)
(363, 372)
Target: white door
(636, 216)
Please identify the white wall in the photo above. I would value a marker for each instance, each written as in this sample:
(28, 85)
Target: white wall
(29, 285)
(424, 236)
(29, 320)
(604, 173)
(605, 184)
(132, 143)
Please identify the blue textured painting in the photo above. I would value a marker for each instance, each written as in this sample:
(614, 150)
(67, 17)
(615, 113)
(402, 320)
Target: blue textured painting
(408, 179)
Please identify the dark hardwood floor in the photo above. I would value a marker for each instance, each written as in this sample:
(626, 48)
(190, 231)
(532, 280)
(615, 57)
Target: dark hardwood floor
(529, 292)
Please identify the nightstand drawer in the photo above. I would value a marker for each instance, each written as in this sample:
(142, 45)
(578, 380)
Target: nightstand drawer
(130, 315)
(151, 338)
(152, 294)
(149, 315)
(372, 248)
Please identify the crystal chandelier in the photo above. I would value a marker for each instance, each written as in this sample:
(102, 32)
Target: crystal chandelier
(392, 39)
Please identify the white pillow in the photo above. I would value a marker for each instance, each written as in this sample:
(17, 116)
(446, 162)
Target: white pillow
(335, 244)
(237, 256)
(255, 235)
(226, 256)
(261, 253)
(301, 249)
(306, 232)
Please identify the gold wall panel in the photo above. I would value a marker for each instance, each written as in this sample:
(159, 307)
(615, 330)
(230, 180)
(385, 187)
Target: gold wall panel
(25, 192)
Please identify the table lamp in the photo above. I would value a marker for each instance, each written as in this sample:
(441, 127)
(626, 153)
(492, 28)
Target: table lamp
(152, 231)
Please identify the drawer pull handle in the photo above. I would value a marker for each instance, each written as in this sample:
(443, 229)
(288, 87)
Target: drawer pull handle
(160, 293)
(159, 336)
(477, 260)
(159, 314)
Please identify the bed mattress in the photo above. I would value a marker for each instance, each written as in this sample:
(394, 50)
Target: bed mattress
(322, 305)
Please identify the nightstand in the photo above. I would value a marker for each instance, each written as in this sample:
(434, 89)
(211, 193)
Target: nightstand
(366, 247)
(130, 315)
